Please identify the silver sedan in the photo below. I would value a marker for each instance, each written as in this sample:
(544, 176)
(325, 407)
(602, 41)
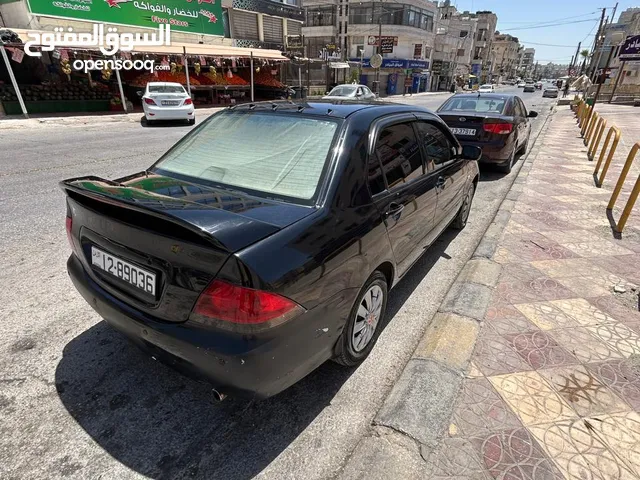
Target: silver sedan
(350, 91)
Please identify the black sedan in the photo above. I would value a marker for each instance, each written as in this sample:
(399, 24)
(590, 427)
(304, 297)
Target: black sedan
(266, 241)
(497, 123)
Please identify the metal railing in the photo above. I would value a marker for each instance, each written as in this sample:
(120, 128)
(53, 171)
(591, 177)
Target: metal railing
(619, 225)
(613, 130)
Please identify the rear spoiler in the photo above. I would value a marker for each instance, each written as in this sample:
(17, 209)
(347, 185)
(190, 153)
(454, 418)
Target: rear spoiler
(197, 218)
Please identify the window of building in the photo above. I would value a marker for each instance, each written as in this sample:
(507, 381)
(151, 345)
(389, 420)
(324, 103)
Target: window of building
(464, 33)
(461, 52)
(245, 25)
(321, 16)
(368, 13)
(316, 44)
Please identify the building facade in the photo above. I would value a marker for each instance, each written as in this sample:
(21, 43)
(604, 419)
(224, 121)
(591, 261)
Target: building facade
(506, 52)
(454, 47)
(338, 31)
(527, 62)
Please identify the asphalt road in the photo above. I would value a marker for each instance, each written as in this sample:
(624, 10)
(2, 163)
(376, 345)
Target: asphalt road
(77, 400)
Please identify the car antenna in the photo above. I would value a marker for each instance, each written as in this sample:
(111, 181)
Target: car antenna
(252, 106)
(329, 111)
(274, 106)
(300, 108)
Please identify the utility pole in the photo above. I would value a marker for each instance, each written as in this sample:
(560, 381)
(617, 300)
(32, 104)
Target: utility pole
(596, 40)
(574, 62)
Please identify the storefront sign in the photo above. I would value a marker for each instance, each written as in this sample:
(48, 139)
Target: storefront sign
(395, 63)
(631, 49)
(437, 67)
(194, 16)
(373, 40)
(386, 45)
(417, 50)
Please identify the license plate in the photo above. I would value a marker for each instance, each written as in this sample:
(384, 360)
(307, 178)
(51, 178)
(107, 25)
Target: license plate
(463, 131)
(170, 102)
(125, 271)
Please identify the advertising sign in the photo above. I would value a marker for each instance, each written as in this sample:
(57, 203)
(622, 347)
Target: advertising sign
(417, 50)
(386, 45)
(395, 63)
(631, 49)
(373, 40)
(193, 16)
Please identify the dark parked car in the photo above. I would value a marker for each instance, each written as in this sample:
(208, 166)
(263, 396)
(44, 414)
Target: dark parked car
(265, 242)
(497, 123)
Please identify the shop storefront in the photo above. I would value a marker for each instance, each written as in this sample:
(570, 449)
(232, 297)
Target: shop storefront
(397, 75)
(213, 74)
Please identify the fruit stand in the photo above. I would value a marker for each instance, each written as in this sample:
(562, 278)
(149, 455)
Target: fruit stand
(63, 97)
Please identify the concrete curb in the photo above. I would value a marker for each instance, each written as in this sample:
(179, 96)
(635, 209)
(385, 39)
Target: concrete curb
(421, 403)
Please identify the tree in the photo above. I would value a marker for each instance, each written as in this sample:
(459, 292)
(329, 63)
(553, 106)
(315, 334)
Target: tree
(584, 54)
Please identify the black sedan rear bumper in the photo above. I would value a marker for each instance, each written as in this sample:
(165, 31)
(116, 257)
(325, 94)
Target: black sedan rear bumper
(254, 366)
(493, 153)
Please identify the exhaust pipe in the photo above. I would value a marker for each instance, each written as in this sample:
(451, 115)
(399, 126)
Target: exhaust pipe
(217, 396)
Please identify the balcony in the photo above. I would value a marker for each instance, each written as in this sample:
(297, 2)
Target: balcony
(270, 8)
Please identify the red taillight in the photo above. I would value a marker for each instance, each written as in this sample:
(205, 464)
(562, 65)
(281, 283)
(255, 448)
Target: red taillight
(499, 128)
(188, 101)
(243, 306)
(149, 101)
(69, 225)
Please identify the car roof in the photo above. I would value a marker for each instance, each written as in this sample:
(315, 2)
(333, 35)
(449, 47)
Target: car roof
(331, 108)
(165, 84)
(499, 96)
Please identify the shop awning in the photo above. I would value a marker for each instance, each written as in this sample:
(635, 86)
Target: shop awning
(191, 49)
(339, 65)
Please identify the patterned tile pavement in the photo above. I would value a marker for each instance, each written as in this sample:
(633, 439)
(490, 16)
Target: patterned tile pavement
(553, 389)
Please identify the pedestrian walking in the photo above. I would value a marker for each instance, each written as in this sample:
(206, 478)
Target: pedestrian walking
(453, 87)
(565, 90)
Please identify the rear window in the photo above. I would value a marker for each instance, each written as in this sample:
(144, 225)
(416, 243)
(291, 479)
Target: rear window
(343, 91)
(277, 155)
(479, 104)
(166, 89)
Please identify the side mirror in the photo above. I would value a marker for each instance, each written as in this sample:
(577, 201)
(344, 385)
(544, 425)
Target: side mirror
(326, 93)
(139, 93)
(358, 94)
(532, 114)
(470, 152)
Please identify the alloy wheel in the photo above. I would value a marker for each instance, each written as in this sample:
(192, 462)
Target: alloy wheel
(367, 318)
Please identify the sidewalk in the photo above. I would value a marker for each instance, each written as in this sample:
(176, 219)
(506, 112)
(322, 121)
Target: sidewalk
(553, 387)
(44, 120)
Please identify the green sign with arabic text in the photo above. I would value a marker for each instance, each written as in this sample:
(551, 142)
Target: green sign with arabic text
(193, 16)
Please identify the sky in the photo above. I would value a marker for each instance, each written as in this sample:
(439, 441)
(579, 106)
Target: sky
(522, 19)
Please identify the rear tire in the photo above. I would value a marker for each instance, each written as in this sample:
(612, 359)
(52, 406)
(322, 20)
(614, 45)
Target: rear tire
(192, 121)
(463, 214)
(365, 322)
(506, 167)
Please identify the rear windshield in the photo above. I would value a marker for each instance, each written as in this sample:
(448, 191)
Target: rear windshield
(278, 155)
(480, 104)
(166, 89)
(343, 91)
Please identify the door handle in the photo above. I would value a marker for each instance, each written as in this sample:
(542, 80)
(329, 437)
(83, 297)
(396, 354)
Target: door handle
(440, 183)
(394, 210)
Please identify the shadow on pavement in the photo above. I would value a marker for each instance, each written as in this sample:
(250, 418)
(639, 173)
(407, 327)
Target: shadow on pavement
(163, 123)
(164, 425)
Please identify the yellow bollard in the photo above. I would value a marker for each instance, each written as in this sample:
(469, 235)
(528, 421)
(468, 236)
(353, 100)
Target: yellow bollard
(614, 145)
(586, 112)
(593, 148)
(627, 209)
(587, 121)
(623, 177)
(591, 128)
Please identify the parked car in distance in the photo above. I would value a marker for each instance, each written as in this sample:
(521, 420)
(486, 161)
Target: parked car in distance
(550, 92)
(529, 87)
(350, 92)
(167, 101)
(521, 84)
(266, 241)
(497, 123)
(487, 88)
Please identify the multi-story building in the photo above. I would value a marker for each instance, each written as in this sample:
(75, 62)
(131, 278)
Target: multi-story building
(454, 47)
(628, 24)
(482, 62)
(343, 31)
(506, 54)
(526, 63)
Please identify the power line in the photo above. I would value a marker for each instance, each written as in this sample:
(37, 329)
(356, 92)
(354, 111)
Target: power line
(554, 24)
(556, 20)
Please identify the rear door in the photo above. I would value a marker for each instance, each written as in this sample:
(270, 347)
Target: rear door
(441, 155)
(404, 195)
(520, 121)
